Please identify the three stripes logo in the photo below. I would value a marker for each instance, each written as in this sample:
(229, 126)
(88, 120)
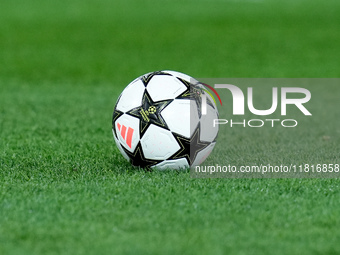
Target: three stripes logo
(126, 133)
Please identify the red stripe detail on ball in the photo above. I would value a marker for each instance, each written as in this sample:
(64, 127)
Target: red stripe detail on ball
(129, 137)
(123, 132)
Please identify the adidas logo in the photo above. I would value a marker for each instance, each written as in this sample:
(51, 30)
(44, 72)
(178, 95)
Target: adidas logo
(126, 133)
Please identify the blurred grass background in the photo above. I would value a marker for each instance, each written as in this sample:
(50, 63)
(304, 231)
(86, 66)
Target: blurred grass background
(118, 40)
(64, 187)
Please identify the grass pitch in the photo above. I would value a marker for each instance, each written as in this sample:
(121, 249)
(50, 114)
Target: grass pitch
(64, 187)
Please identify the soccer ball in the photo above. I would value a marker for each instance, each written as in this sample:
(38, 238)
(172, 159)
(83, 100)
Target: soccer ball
(158, 121)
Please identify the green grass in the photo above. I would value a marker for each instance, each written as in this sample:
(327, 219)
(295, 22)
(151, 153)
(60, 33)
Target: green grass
(64, 187)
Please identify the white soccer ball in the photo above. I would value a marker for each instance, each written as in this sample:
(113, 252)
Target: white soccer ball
(158, 121)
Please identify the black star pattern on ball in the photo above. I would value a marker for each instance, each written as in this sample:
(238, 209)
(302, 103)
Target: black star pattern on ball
(146, 78)
(189, 147)
(116, 115)
(194, 92)
(150, 113)
(137, 158)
